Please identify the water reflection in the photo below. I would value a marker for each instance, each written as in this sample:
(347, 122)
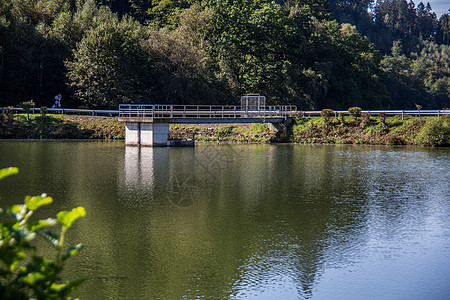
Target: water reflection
(268, 220)
(259, 221)
(137, 185)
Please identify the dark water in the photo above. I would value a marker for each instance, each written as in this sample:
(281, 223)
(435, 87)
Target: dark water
(246, 221)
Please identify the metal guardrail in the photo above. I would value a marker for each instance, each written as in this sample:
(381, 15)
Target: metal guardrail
(403, 113)
(205, 111)
(217, 111)
(89, 112)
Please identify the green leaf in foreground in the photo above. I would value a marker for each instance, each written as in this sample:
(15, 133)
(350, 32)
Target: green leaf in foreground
(41, 224)
(35, 202)
(72, 251)
(8, 171)
(66, 218)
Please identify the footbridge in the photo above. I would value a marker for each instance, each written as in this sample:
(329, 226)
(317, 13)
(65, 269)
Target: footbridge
(148, 125)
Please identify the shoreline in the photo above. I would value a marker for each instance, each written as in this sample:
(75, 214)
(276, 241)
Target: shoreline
(412, 131)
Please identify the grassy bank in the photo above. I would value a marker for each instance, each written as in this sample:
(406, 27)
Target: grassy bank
(429, 131)
(60, 127)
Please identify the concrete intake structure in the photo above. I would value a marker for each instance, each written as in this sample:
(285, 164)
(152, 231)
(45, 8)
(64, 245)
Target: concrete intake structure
(148, 125)
(145, 132)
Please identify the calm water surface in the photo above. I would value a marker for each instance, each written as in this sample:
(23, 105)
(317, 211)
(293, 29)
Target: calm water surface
(246, 221)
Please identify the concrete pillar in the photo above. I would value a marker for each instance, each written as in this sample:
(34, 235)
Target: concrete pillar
(154, 134)
(280, 126)
(132, 134)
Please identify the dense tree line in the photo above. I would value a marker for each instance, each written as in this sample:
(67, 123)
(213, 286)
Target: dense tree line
(312, 53)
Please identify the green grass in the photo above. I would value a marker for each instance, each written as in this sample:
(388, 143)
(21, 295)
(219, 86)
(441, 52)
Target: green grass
(60, 127)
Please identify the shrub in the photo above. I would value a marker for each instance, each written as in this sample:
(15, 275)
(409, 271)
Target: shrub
(435, 132)
(355, 112)
(23, 274)
(27, 106)
(326, 115)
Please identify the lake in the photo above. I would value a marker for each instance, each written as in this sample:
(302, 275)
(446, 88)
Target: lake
(245, 221)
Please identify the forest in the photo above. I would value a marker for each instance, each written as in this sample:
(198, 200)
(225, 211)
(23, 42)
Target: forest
(316, 54)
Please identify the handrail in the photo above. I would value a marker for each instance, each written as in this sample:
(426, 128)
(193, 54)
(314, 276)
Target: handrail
(91, 112)
(204, 111)
(220, 111)
(403, 113)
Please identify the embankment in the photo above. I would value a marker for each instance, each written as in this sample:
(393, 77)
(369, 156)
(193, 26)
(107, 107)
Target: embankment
(429, 131)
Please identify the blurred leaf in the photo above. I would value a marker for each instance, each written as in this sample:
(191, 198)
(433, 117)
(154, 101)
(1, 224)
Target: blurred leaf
(35, 202)
(66, 218)
(11, 259)
(25, 235)
(51, 237)
(33, 278)
(57, 287)
(8, 171)
(17, 211)
(72, 251)
(72, 285)
(41, 224)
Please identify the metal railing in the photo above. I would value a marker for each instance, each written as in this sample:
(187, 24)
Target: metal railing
(204, 111)
(402, 113)
(215, 111)
(66, 111)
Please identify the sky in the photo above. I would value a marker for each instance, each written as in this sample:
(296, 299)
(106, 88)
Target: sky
(440, 7)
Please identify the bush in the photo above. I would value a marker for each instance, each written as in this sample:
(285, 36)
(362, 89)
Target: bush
(23, 274)
(355, 112)
(326, 115)
(27, 106)
(435, 132)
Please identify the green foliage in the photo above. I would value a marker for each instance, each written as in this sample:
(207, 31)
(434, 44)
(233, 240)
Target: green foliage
(166, 13)
(435, 132)
(109, 66)
(311, 53)
(326, 115)
(23, 273)
(61, 126)
(355, 112)
(66, 218)
(8, 172)
(224, 130)
(443, 32)
(27, 106)
(260, 127)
